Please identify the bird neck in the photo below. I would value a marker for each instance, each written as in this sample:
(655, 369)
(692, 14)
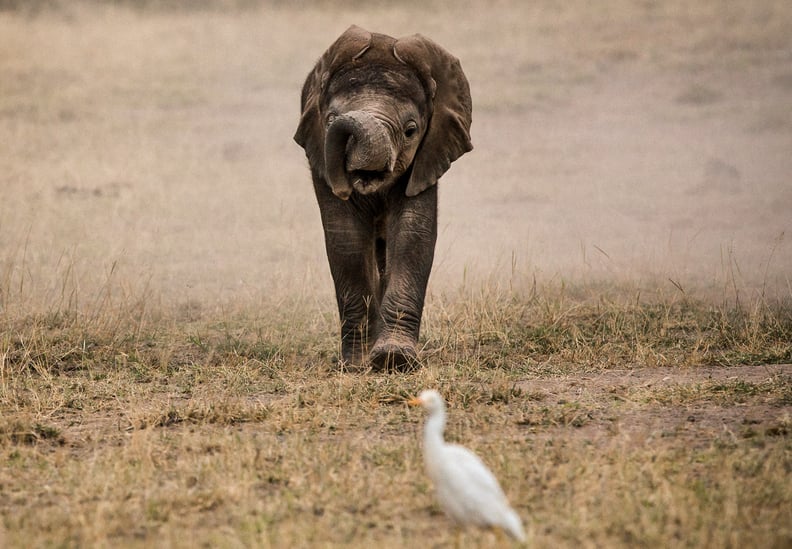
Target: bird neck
(433, 431)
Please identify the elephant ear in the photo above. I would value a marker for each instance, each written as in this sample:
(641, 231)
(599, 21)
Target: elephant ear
(310, 132)
(448, 135)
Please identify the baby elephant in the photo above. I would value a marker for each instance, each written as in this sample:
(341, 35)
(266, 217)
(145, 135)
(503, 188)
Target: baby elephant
(382, 120)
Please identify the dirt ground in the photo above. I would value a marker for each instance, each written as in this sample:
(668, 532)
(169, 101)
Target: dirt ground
(629, 141)
(692, 422)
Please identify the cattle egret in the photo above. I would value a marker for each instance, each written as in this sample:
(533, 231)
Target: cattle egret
(467, 491)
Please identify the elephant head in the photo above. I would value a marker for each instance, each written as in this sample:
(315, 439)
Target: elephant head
(375, 109)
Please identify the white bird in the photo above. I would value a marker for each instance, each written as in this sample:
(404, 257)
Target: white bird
(467, 491)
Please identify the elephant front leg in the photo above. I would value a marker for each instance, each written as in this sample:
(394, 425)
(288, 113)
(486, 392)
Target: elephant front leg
(355, 285)
(357, 309)
(410, 243)
(350, 252)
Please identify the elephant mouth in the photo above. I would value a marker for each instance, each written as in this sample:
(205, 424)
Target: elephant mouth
(366, 181)
(359, 154)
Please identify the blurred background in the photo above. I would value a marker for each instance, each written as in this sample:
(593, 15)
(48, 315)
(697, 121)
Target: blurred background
(149, 144)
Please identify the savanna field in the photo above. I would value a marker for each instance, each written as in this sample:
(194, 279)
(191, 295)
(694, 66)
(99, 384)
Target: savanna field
(609, 315)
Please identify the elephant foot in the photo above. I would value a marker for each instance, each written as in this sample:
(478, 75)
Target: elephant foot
(349, 367)
(389, 356)
(353, 357)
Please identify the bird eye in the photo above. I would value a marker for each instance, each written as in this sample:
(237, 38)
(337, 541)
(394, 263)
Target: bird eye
(410, 129)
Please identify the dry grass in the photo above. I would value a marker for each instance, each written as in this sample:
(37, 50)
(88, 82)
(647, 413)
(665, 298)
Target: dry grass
(609, 423)
(167, 326)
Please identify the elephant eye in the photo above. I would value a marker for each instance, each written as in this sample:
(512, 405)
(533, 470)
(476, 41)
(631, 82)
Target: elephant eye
(410, 129)
(330, 117)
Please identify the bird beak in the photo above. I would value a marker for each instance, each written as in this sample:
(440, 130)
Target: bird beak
(414, 401)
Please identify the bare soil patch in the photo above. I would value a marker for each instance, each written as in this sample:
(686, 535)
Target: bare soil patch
(695, 406)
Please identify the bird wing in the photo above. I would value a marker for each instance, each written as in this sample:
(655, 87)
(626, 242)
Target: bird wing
(478, 474)
(467, 490)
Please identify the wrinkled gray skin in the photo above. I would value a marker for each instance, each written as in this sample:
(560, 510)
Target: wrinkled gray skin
(382, 120)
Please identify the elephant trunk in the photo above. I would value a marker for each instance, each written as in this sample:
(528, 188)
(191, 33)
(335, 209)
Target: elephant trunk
(358, 152)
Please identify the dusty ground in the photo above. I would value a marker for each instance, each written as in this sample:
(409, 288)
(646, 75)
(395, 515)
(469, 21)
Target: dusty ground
(602, 313)
(629, 141)
(694, 422)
